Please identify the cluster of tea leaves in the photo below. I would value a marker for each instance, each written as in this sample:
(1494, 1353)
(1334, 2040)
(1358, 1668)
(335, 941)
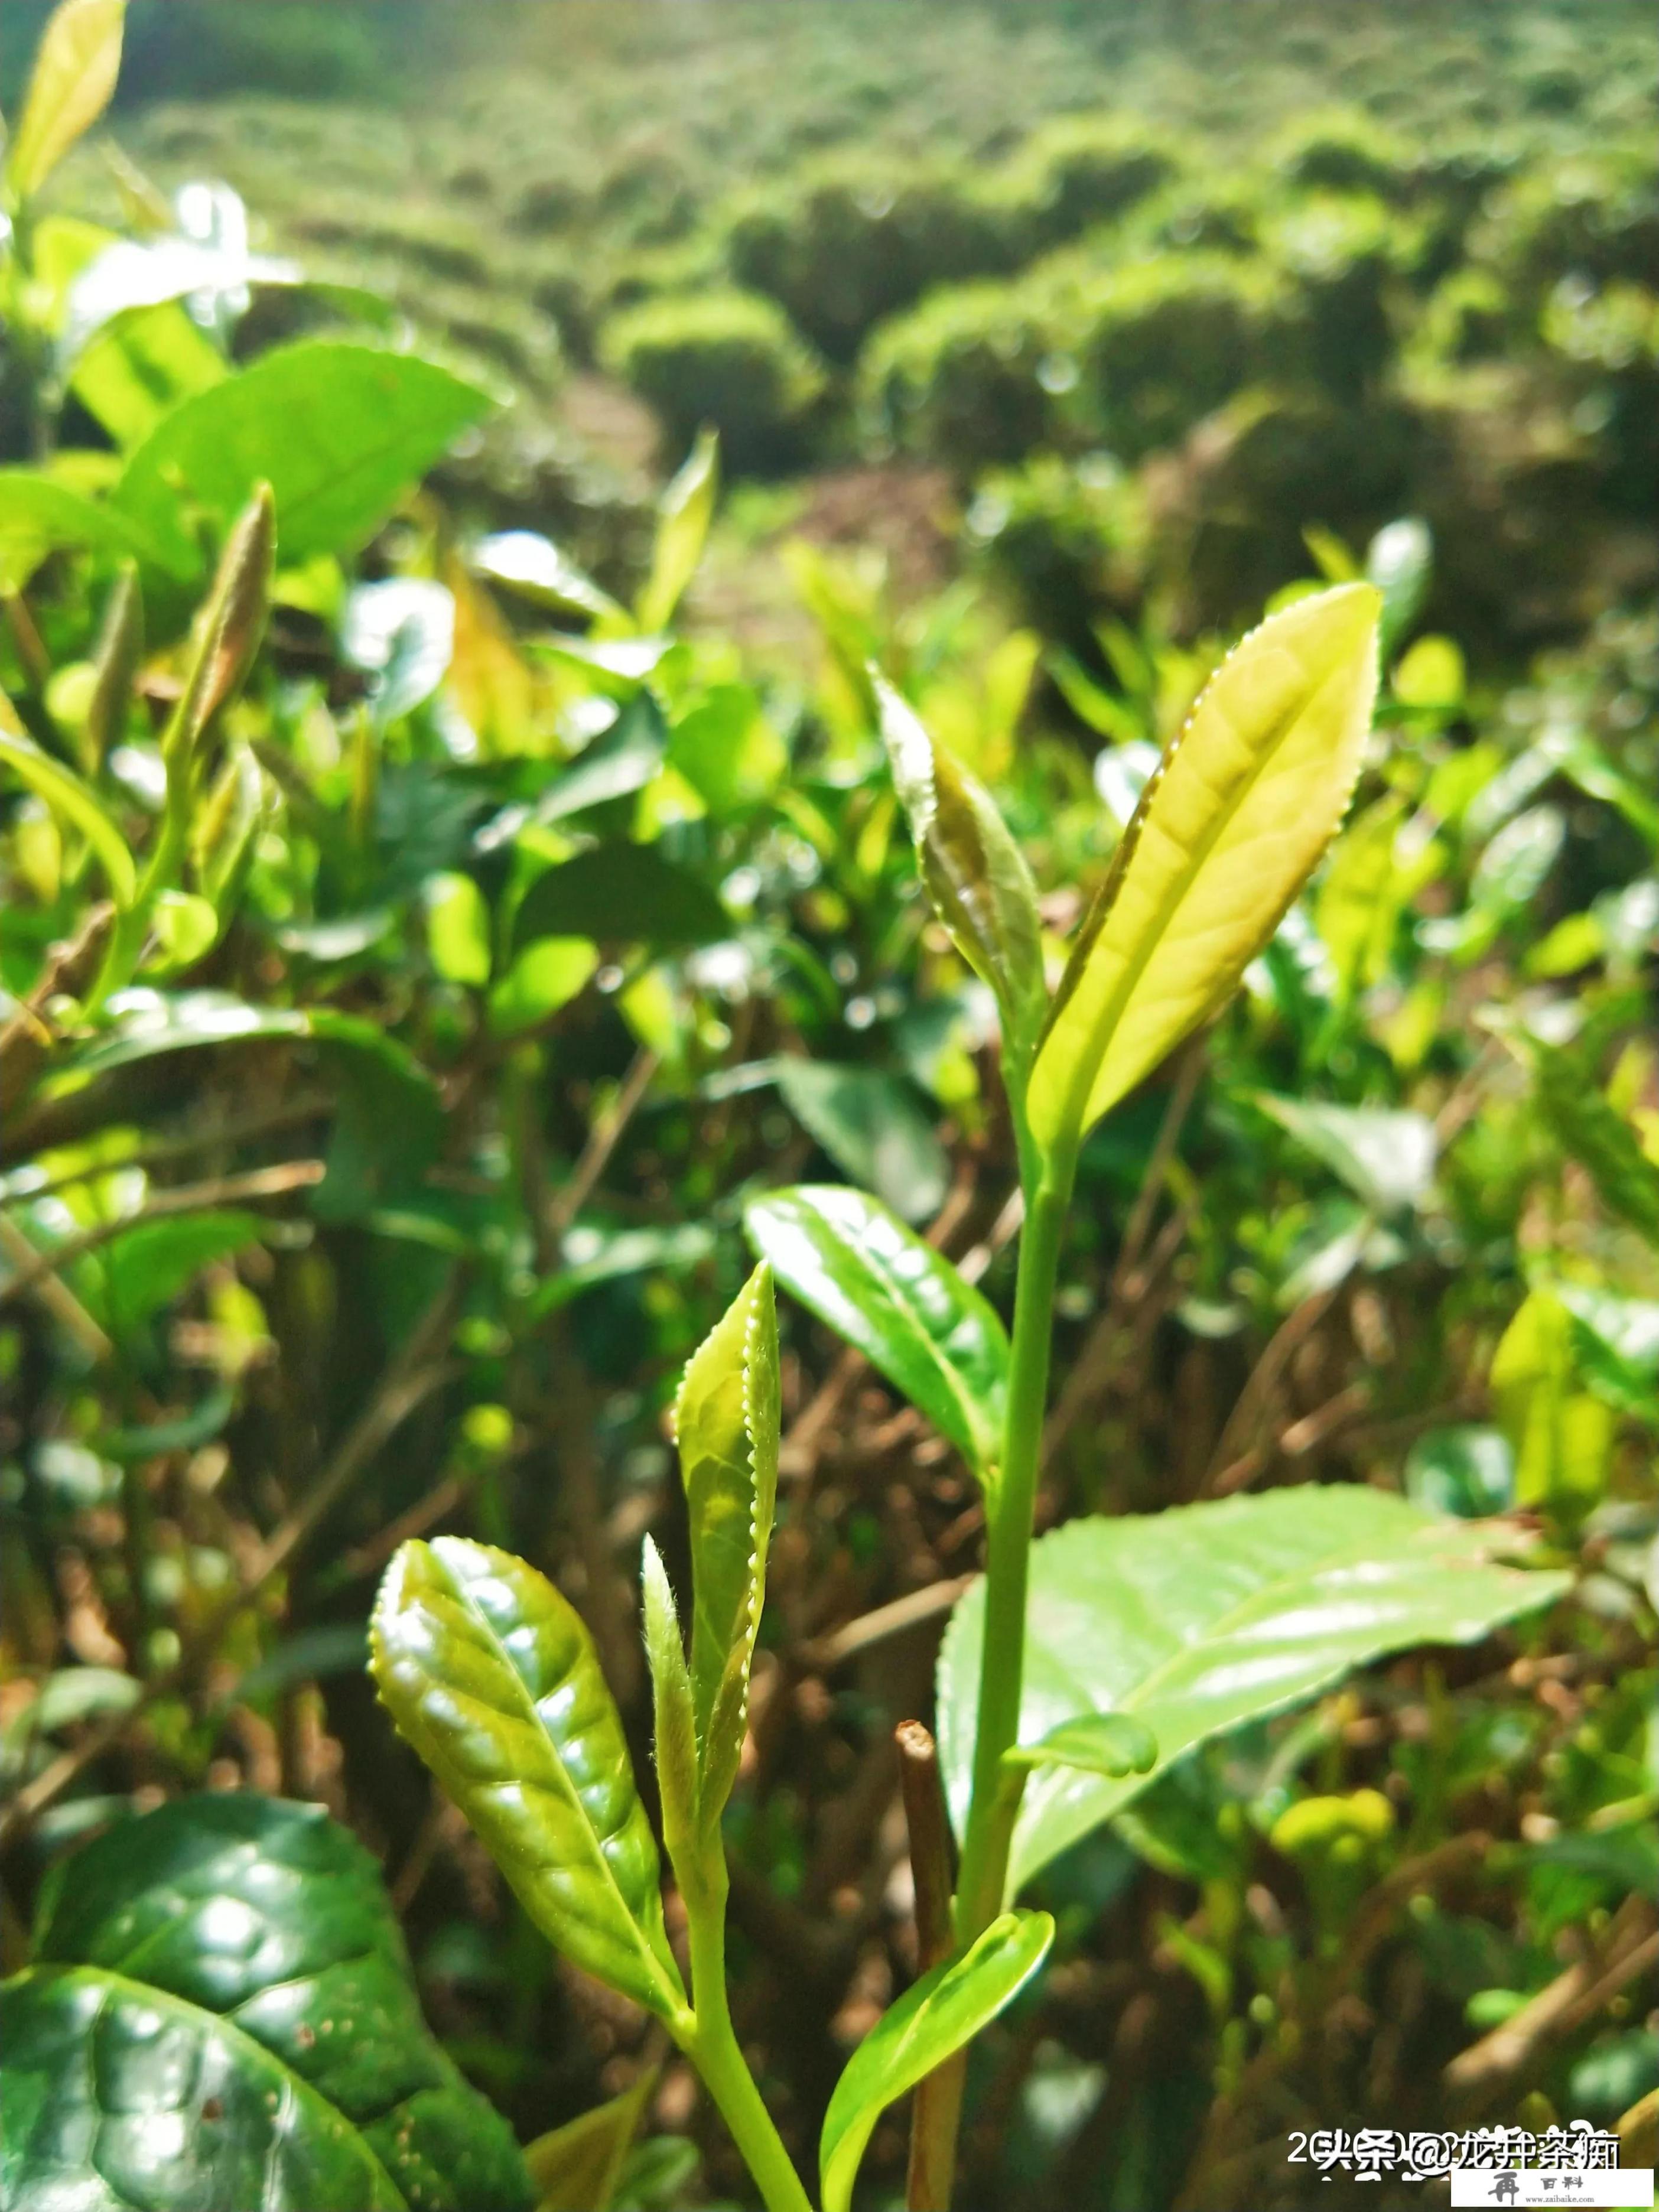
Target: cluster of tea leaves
(518, 936)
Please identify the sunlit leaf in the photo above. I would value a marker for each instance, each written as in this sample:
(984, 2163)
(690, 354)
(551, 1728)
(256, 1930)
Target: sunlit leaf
(853, 1262)
(74, 802)
(726, 1425)
(1590, 1129)
(75, 68)
(674, 1719)
(1245, 801)
(338, 431)
(220, 2011)
(1198, 1619)
(683, 517)
(1562, 1434)
(973, 871)
(936, 2017)
(490, 1674)
(40, 515)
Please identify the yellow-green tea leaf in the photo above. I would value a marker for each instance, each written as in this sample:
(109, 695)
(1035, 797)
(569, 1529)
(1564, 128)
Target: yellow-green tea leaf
(75, 72)
(1244, 803)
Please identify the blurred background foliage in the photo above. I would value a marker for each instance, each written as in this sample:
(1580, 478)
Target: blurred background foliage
(543, 895)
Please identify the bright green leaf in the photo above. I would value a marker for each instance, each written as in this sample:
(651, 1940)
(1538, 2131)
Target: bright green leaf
(73, 77)
(1431, 675)
(673, 1707)
(490, 1674)
(853, 1262)
(1112, 1744)
(185, 927)
(75, 802)
(727, 1424)
(1198, 1619)
(1245, 801)
(457, 929)
(683, 517)
(936, 2017)
(339, 432)
(221, 2011)
(546, 975)
(1561, 1433)
(972, 869)
(141, 366)
(40, 515)
(727, 751)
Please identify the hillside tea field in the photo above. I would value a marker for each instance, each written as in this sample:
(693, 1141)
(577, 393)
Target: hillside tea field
(829, 1104)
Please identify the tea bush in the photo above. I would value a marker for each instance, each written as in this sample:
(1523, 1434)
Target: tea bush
(729, 358)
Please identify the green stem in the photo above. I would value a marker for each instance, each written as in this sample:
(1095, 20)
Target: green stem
(985, 1848)
(712, 2046)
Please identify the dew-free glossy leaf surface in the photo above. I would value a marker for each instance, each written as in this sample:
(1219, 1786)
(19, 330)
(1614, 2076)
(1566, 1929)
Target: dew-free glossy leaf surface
(971, 868)
(1244, 803)
(339, 432)
(853, 1262)
(727, 1424)
(220, 2013)
(934, 2018)
(490, 1674)
(1199, 1618)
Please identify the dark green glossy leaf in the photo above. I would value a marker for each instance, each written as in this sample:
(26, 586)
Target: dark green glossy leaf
(936, 2017)
(39, 515)
(1244, 802)
(622, 894)
(971, 868)
(1199, 1618)
(490, 1674)
(339, 432)
(673, 1711)
(220, 2013)
(853, 1262)
(727, 1424)
(873, 1127)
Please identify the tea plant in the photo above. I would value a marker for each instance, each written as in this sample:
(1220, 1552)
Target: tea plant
(1138, 1640)
(425, 963)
